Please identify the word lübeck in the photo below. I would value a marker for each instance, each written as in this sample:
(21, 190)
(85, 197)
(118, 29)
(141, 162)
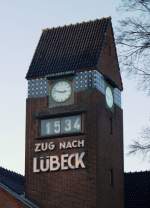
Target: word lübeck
(62, 162)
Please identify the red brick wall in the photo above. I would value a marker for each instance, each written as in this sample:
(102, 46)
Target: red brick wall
(87, 187)
(71, 188)
(8, 201)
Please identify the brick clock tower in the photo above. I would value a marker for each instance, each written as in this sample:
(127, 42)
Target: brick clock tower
(74, 129)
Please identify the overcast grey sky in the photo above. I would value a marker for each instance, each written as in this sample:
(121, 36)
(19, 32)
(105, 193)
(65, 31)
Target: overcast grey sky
(21, 25)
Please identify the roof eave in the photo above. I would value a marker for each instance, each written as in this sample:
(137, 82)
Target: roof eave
(20, 198)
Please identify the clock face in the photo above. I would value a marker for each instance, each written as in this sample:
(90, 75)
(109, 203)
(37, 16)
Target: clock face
(109, 97)
(61, 91)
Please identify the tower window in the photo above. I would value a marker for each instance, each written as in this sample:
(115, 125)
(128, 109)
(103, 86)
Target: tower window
(111, 177)
(109, 50)
(111, 125)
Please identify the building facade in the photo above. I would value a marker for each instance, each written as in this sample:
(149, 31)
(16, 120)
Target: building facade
(74, 130)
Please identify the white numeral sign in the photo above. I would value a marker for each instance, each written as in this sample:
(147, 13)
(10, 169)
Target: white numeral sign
(63, 125)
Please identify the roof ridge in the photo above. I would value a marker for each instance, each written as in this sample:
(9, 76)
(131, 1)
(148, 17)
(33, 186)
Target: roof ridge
(13, 173)
(75, 24)
(137, 172)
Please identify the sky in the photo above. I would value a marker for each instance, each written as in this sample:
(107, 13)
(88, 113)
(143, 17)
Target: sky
(21, 25)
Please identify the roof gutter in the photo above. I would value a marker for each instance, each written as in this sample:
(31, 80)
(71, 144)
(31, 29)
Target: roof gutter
(20, 198)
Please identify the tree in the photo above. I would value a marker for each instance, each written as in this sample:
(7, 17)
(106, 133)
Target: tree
(133, 38)
(141, 144)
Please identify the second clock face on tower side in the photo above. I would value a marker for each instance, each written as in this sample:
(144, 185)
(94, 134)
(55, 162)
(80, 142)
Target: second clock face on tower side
(109, 97)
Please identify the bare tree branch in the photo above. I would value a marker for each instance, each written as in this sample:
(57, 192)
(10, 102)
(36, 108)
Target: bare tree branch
(133, 41)
(136, 5)
(142, 144)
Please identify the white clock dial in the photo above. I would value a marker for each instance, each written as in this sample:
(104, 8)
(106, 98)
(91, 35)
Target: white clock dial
(109, 97)
(61, 91)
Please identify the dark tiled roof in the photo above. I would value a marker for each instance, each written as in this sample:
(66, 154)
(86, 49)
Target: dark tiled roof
(137, 190)
(68, 48)
(12, 180)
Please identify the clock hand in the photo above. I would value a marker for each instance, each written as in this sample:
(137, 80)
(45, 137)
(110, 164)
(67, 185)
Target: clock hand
(61, 91)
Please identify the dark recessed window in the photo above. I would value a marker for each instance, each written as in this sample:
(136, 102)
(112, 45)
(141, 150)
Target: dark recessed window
(111, 125)
(111, 177)
(109, 50)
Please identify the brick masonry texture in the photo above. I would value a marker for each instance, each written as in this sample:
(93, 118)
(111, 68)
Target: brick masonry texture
(82, 187)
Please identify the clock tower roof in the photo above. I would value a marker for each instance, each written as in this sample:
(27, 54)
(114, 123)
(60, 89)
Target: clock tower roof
(68, 49)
